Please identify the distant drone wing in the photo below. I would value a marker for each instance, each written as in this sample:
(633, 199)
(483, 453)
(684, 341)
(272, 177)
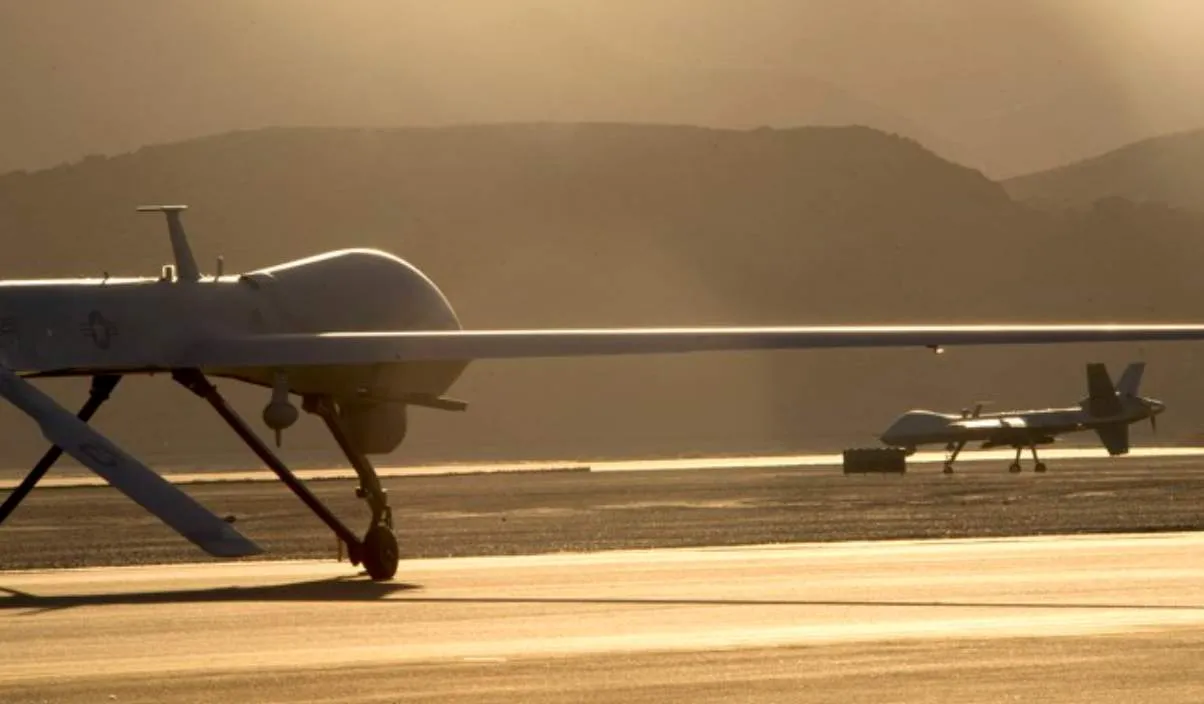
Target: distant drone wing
(134, 479)
(352, 348)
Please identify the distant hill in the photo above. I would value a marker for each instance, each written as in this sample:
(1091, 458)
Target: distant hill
(612, 224)
(1165, 170)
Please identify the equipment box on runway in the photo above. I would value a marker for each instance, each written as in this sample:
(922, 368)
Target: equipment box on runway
(875, 460)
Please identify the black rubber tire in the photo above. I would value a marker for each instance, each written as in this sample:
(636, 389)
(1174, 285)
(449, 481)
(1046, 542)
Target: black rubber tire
(1040, 468)
(948, 469)
(1014, 468)
(381, 553)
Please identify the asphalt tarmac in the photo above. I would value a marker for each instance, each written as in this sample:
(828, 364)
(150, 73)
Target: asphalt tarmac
(546, 600)
(1088, 618)
(523, 513)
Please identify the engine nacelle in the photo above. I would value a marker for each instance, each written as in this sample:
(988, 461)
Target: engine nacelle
(374, 428)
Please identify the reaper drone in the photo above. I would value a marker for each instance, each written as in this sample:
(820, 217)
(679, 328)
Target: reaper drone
(359, 336)
(1108, 410)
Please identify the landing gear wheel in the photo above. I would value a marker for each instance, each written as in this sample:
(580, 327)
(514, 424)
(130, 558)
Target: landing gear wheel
(948, 468)
(1040, 468)
(1014, 468)
(380, 553)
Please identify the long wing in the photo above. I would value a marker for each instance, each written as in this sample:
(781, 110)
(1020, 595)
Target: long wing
(134, 479)
(351, 348)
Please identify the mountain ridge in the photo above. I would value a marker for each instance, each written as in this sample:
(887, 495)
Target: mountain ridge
(1167, 169)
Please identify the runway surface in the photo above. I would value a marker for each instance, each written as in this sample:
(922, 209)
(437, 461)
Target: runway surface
(76, 476)
(248, 625)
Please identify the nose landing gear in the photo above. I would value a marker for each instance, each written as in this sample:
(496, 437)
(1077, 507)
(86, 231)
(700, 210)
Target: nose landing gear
(954, 449)
(378, 551)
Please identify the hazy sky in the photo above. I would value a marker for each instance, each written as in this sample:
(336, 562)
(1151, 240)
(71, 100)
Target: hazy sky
(1003, 85)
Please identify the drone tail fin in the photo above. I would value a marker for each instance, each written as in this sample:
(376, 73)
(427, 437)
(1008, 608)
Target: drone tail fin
(1101, 394)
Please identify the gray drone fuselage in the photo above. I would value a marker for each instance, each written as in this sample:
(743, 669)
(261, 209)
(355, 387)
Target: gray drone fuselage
(1039, 426)
(129, 326)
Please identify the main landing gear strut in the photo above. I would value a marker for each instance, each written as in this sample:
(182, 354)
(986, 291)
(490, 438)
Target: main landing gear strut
(102, 387)
(378, 550)
(954, 449)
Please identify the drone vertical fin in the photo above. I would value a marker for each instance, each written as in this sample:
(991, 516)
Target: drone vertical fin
(1130, 380)
(1115, 438)
(1101, 394)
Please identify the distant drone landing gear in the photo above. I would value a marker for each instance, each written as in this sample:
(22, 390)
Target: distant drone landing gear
(102, 387)
(1038, 466)
(954, 449)
(1014, 467)
(378, 550)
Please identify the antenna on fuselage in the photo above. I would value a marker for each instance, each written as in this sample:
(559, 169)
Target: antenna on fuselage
(186, 268)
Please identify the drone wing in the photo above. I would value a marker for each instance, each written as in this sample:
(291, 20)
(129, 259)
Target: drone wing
(134, 479)
(352, 348)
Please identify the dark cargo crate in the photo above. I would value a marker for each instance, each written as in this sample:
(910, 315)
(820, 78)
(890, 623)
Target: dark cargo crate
(875, 460)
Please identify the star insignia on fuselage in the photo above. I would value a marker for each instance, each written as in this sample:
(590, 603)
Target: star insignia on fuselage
(100, 329)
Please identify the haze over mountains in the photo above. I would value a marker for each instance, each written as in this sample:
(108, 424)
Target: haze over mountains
(610, 224)
(1165, 170)
(1004, 86)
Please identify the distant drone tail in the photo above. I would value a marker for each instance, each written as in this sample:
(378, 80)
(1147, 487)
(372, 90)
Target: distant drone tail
(1105, 400)
(1101, 394)
(1115, 437)
(1130, 380)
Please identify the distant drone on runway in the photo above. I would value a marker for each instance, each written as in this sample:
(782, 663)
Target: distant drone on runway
(1108, 410)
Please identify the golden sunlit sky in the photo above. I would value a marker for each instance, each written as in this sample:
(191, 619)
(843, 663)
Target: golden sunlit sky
(1007, 86)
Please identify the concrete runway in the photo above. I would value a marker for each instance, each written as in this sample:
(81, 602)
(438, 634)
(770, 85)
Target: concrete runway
(69, 635)
(70, 475)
